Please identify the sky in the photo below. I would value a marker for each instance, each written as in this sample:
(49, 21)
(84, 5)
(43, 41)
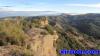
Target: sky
(64, 6)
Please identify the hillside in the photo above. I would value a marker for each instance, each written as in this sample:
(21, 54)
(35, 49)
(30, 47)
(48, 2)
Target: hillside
(47, 35)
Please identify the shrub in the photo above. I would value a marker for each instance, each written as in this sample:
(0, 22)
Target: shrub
(49, 29)
(24, 52)
(12, 32)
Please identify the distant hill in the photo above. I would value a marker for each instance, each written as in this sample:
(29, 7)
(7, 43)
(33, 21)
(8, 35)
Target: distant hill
(27, 13)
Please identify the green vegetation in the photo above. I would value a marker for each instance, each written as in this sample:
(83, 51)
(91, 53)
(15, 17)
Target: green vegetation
(24, 52)
(64, 42)
(13, 32)
(49, 29)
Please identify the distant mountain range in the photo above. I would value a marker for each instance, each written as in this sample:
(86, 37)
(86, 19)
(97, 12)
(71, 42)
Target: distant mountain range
(27, 13)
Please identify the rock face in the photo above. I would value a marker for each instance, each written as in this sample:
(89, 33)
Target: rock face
(43, 44)
(39, 44)
(43, 22)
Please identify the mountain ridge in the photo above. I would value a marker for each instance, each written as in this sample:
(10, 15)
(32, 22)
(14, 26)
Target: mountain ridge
(48, 35)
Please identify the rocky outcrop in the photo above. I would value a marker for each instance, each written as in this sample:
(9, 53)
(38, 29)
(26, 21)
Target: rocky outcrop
(42, 45)
(43, 22)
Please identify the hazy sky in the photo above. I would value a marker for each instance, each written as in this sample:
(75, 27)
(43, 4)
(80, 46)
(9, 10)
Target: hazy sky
(67, 6)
